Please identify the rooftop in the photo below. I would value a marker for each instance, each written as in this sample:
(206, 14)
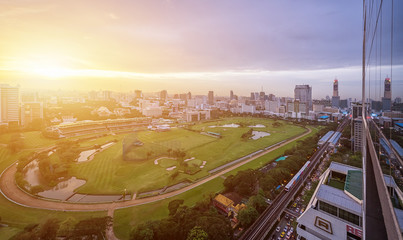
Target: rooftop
(341, 168)
(338, 198)
(353, 183)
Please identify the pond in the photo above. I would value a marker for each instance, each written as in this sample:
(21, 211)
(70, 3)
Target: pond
(257, 134)
(89, 154)
(258, 126)
(232, 125)
(32, 173)
(64, 189)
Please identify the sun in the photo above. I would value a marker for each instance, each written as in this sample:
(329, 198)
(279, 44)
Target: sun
(48, 66)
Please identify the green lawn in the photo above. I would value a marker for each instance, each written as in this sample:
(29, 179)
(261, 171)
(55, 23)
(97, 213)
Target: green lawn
(108, 173)
(31, 139)
(263, 160)
(17, 217)
(125, 219)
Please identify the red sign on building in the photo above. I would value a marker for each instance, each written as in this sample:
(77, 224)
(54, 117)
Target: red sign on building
(357, 232)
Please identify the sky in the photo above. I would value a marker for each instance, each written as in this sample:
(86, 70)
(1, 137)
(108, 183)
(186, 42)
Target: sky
(196, 46)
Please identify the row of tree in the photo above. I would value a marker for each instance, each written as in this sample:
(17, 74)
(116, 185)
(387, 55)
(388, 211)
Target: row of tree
(92, 228)
(199, 222)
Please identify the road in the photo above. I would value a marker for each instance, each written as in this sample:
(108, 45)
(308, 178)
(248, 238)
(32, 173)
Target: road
(266, 220)
(13, 193)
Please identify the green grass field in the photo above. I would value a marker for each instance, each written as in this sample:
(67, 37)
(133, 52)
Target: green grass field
(125, 219)
(17, 217)
(108, 173)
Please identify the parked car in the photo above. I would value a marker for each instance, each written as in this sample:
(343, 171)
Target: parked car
(278, 229)
(282, 234)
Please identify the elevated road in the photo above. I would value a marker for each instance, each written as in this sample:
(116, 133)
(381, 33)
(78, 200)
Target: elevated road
(272, 213)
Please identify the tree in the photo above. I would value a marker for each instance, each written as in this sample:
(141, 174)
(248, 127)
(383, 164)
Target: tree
(174, 205)
(16, 143)
(197, 233)
(67, 226)
(48, 230)
(247, 216)
(142, 232)
(91, 228)
(258, 202)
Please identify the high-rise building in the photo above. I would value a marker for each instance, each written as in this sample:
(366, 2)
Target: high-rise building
(252, 96)
(210, 98)
(262, 96)
(303, 93)
(31, 111)
(387, 99)
(231, 95)
(335, 88)
(336, 97)
(388, 89)
(163, 95)
(138, 94)
(356, 127)
(9, 103)
(189, 95)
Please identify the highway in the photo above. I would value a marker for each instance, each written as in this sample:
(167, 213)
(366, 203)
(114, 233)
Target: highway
(264, 223)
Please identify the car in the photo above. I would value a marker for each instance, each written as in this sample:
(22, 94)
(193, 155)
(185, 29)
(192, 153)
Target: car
(302, 210)
(295, 204)
(297, 210)
(288, 235)
(278, 229)
(291, 230)
(288, 223)
(285, 229)
(282, 234)
(279, 238)
(286, 216)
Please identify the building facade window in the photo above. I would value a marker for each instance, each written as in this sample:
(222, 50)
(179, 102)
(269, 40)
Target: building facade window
(328, 208)
(350, 217)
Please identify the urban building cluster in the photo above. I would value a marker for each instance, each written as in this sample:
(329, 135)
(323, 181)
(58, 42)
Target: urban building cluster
(21, 109)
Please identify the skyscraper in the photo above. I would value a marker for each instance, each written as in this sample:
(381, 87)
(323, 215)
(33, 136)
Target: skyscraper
(231, 95)
(9, 103)
(303, 93)
(138, 94)
(31, 111)
(336, 97)
(387, 99)
(210, 98)
(163, 95)
(388, 89)
(261, 96)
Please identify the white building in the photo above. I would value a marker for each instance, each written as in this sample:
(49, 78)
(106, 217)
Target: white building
(335, 209)
(272, 106)
(248, 109)
(194, 116)
(31, 111)
(9, 104)
(152, 111)
(303, 93)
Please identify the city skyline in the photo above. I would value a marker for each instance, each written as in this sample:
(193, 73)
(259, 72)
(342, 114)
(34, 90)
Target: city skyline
(226, 43)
